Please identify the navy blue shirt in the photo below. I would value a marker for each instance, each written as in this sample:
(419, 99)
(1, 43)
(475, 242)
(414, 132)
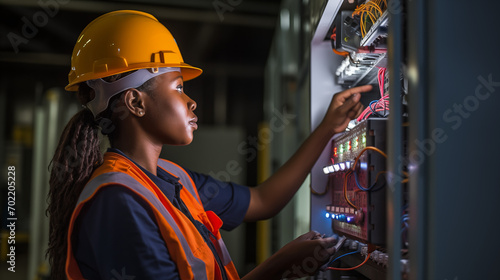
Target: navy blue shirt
(116, 235)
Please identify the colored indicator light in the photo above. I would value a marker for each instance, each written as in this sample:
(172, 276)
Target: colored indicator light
(349, 145)
(342, 166)
(335, 152)
(363, 165)
(331, 169)
(348, 219)
(363, 140)
(327, 215)
(356, 143)
(341, 148)
(336, 166)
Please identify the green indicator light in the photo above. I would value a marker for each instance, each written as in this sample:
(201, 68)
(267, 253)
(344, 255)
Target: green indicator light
(341, 148)
(364, 138)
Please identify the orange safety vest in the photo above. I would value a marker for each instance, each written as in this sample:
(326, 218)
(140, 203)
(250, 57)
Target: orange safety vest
(186, 246)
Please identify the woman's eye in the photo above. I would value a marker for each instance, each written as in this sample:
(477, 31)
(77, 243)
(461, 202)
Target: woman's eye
(179, 89)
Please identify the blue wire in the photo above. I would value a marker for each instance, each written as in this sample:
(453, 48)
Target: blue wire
(350, 253)
(359, 186)
(375, 112)
(371, 108)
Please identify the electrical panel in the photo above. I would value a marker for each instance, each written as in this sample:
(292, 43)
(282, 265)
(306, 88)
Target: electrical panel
(357, 182)
(353, 45)
(402, 218)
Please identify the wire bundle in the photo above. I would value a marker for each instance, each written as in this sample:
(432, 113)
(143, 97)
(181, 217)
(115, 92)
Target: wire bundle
(369, 12)
(377, 106)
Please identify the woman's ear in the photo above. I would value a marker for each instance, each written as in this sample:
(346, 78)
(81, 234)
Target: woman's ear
(135, 102)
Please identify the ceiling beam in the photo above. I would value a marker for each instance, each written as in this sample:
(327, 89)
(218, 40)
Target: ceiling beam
(54, 59)
(161, 12)
(246, 6)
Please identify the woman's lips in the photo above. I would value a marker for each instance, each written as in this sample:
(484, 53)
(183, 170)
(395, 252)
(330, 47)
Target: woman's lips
(193, 123)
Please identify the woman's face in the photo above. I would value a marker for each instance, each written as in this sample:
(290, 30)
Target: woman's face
(169, 116)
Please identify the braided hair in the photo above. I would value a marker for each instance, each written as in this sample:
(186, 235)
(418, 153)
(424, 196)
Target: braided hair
(76, 157)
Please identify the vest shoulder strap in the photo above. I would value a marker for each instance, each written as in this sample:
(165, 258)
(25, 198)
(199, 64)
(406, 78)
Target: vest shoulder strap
(183, 176)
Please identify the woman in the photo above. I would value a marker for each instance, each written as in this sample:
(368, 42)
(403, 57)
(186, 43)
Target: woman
(130, 214)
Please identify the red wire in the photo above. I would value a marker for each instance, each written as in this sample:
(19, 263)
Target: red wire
(382, 104)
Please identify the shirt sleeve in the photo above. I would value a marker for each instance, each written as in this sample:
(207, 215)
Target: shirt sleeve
(226, 199)
(117, 238)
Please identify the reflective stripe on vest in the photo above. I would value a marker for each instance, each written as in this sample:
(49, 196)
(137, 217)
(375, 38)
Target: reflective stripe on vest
(197, 265)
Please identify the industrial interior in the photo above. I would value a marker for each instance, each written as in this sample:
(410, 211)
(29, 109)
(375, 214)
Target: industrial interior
(408, 188)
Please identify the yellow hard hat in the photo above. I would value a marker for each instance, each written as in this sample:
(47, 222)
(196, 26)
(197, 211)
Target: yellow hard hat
(123, 41)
